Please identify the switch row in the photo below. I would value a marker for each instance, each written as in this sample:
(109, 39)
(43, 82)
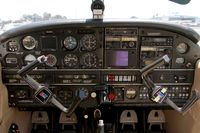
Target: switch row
(119, 78)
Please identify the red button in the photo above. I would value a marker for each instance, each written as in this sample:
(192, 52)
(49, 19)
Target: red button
(111, 96)
(111, 77)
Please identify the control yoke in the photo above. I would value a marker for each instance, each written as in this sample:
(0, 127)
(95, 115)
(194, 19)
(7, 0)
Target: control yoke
(159, 93)
(43, 94)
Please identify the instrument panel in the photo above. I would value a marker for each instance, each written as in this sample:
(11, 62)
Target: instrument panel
(97, 57)
(71, 49)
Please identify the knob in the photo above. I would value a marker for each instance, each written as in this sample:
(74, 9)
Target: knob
(131, 93)
(97, 114)
(111, 96)
(82, 93)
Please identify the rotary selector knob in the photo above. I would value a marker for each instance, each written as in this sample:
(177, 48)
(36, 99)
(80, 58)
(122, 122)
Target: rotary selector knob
(82, 93)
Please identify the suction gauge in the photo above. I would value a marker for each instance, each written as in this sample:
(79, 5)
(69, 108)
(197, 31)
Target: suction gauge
(29, 42)
(70, 43)
(182, 48)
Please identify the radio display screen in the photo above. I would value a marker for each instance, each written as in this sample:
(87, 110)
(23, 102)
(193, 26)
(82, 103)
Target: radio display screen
(159, 39)
(117, 59)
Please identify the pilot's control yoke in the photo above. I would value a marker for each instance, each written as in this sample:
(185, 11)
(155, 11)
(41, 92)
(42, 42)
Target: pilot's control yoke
(158, 93)
(43, 94)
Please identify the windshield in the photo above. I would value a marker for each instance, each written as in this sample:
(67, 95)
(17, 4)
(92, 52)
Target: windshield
(15, 13)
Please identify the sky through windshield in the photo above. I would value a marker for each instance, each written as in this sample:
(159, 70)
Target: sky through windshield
(78, 9)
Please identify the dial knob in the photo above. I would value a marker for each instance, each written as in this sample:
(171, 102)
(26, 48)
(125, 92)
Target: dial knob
(111, 96)
(82, 93)
(131, 93)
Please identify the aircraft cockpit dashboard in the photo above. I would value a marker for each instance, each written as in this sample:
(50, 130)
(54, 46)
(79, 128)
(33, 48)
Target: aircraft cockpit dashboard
(98, 70)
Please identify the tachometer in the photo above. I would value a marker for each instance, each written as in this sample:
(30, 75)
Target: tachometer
(29, 42)
(70, 43)
(89, 42)
(89, 60)
(70, 60)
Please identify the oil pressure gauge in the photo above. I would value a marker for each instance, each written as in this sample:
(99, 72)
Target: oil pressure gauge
(182, 48)
(29, 42)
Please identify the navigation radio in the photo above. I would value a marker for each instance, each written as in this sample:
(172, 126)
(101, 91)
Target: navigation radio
(154, 47)
(121, 47)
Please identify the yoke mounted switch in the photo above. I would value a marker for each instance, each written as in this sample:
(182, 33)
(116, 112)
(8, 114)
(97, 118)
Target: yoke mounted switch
(159, 94)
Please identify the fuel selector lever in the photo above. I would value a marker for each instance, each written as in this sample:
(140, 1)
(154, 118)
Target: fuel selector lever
(159, 93)
(43, 94)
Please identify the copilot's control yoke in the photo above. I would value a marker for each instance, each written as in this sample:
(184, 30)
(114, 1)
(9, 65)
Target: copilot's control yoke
(43, 94)
(158, 93)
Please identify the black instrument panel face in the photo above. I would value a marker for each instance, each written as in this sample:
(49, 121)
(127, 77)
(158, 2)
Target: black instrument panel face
(71, 48)
(94, 56)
